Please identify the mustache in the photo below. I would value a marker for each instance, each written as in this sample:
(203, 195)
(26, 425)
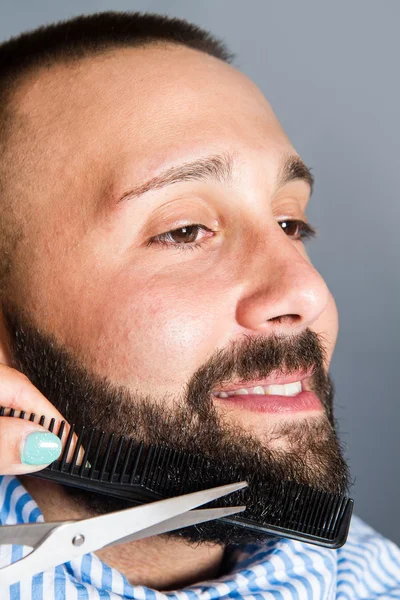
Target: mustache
(257, 357)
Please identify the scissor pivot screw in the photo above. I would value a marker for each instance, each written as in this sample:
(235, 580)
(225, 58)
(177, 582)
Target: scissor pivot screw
(78, 540)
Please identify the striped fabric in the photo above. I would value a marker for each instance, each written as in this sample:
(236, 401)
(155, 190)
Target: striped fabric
(367, 567)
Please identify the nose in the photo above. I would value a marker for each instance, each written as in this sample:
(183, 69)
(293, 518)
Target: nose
(281, 291)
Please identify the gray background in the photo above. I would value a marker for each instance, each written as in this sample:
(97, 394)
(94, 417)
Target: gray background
(331, 72)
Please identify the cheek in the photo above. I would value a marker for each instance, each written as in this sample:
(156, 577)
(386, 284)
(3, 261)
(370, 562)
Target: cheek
(149, 332)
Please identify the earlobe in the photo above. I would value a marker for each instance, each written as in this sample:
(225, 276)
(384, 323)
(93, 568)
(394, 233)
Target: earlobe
(5, 354)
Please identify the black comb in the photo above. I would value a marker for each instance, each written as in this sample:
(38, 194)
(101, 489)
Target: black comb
(122, 468)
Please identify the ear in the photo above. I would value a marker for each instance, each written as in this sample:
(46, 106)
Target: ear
(5, 354)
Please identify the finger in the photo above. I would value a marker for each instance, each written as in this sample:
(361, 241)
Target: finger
(26, 447)
(18, 394)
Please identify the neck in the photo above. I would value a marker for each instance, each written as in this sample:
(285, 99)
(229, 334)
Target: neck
(157, 562)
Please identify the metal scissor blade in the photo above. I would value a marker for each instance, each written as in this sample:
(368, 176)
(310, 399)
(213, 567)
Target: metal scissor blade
(193, 517)
(103, 530)
(27, 534)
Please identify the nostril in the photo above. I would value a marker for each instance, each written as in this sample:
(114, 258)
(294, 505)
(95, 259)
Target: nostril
(289, 319)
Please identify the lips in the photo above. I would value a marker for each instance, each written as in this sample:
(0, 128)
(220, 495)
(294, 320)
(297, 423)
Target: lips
(288, 389)
(277, 394)
(274, 379)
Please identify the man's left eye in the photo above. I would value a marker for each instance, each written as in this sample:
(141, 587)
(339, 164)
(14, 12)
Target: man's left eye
(297, 229)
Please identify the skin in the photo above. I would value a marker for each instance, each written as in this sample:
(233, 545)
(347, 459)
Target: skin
(149, 317)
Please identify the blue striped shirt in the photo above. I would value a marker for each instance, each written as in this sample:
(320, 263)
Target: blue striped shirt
(367, 567)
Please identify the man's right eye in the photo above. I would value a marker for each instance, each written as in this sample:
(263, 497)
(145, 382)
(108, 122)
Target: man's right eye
(297, 229)
(186, 237)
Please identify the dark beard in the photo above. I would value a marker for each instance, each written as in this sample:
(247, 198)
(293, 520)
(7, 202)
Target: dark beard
(311, 455)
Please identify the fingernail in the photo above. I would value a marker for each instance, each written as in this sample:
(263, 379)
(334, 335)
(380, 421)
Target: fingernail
(40, 448)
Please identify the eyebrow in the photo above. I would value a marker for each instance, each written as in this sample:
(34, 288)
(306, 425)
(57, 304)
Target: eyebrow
(219, 168)
(294, 169)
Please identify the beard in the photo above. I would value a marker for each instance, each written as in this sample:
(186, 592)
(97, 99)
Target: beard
(306, 451)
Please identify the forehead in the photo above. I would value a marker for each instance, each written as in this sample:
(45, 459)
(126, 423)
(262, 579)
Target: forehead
(139, 109)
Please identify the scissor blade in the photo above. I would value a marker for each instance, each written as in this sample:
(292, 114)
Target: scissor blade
(105, 529)
(27, 534)
(193, 517)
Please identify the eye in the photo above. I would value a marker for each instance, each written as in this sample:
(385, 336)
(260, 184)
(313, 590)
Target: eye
(297, 229)
(183, 236)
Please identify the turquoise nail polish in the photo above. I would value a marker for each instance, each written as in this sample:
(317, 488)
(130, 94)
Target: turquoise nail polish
(40, 448)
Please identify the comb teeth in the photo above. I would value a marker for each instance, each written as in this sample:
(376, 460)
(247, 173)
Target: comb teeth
(119, 467)
(310, 511)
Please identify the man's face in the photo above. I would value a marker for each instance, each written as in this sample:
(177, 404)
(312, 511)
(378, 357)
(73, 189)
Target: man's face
(95, 267)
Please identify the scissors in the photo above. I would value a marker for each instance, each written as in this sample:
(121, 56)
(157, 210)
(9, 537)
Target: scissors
(55, 543)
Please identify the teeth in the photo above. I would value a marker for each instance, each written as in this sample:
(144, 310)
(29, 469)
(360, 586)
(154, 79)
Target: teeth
(276, 390)
(258, 390)
(289, 389)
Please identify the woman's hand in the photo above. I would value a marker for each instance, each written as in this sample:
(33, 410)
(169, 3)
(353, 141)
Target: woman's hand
(25, 446)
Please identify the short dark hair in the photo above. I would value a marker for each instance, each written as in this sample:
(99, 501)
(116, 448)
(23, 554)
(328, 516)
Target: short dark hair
(72, 40)
(91, 35)
(87, 35)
